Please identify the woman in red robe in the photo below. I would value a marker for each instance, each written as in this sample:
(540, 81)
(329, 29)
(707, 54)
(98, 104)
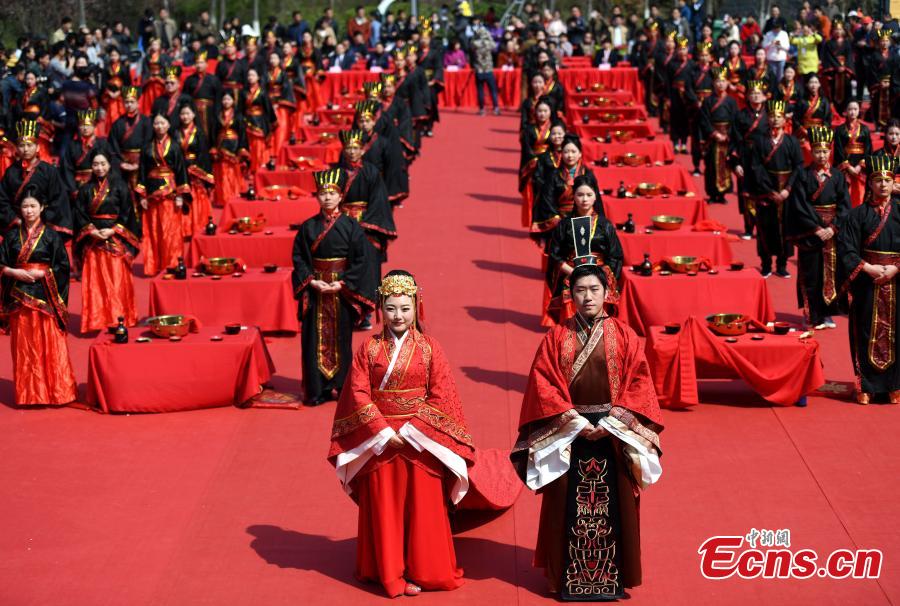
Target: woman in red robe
(34, 291)
(107, 238)
(115, 77)
(34, 104)
(589, 434)
(163, 189)
(401, 449)
(281, 94)
(535, 141)
(153, 84)
(260, 120)
(199, 166)
(229, 152)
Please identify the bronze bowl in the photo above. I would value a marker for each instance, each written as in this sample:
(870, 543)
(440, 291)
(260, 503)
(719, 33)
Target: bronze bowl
(169, 326)
(684, 265)
(220, 266)
(250, 224)
(667, 222)
(728, 325)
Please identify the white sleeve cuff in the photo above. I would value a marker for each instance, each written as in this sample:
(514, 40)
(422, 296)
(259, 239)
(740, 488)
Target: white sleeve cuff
(640, 456)
(349, 463)
(452, 461)
(552, 461)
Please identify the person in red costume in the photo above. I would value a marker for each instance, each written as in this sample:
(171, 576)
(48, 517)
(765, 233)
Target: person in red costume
(402, 449)
(589, 434)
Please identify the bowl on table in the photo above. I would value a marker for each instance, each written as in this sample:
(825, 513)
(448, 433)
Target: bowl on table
(220, 266)
(270, 268)
(781, 328)
(232, 328)
(683, 265)
(728, 325)
(667, 222)
(165, 327)
(250, 224)
(737, 265)
(633, 160)
(672, 328)
(649, 189)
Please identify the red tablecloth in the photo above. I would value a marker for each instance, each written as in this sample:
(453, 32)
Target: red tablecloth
(325, 153)
(301, 178)
(254, 299)
(162, 376)
(594, 114)
(576, 61)
(256, 249)
(692, 208)
(640, 130)
(350, 82)
(617, 78)
(313, 134)
(657, 300)
(460, 89)
(280, 212)
(618, 97)
(780, 368)
(683, 242)
(674, 176)
(659, 150)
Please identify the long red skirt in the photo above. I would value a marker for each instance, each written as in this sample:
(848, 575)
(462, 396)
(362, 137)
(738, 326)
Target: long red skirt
(404, 528)
(42, 371)
(152, 90)
(107, 290)
(259, 152)
(857, 185)
(163, 238)
(229, 181)
(283, 132)
(197, 219)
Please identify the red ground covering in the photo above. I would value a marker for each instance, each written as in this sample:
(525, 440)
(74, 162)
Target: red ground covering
(233, 507)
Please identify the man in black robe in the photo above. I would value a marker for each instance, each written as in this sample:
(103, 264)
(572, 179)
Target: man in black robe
(334, 282)
(205, 91)
(42, 180)
(75, 161)
(813, 214)
(716, 128)
(702, 85)
(772, 162)
(232, 71)
(869, 253)
(682, 100)
(750, 120)
(129, 135)
(170, 103)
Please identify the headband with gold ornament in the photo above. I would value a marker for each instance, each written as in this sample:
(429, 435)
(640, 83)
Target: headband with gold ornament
(653, 27)
(399, 53)
(426, 29)
(681, 42)
(776, 108)
(411, 50)
(704, 48)
(28, 130)
(366, 109)
(719, 73)
(388, 79)
(884, 33)
(821, 137)
(373, 89)
(757, 85)
(251, 41)
(672, 35)
(398, 285)
(353, 137)
(881, 166)
(87, 117)
(131, 92)
(201, 56)
(331, 180)
(173, 71)
(231, 41)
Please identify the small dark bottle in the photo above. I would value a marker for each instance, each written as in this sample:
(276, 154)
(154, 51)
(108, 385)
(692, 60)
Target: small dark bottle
(271, 164)
(585, 118)
(629, 227)
(210, 229)
(293, 139)
(251, 192)
(121, 334)
(621, 192)
(180, 270)
(608, 138)
(604, 161)
(646, 266)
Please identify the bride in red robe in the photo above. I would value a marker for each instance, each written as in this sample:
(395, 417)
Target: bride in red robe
(402, 450)
(34, 291)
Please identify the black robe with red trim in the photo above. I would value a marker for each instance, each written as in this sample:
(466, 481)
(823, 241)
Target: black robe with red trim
(106, 205)
(44, 182)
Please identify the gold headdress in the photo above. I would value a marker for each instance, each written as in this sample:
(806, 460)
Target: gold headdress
(373, 89)
(720, 73)
(411, 50)
(757, 85)
(821, 137)
(87, 117)
(366, 108)
(231, 41)
(881, 166)
(388, 79)
(399, 54)
(330, 180)
(681, 42)
(200, 56)
(173, 71)
(776, 108)
(884, 33)
(672, 35)
(352, 137)
(28, 130)
(397, 285)
(251, 40)
(131, 92)
(426, 29)
(653, 27)
(704, 47)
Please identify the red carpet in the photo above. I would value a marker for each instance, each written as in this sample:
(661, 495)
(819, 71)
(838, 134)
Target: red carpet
(235, 507)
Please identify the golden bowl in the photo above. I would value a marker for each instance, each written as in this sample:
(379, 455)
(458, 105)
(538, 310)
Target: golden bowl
(728, 325)
(610, 117)
(251, 224)
(169, 326)
(667, 222)
(220, 266)
(684, 265)
(632, 159)
(601, 101)
(623, 135)
(649, 189)
(596, 86)
(325, 137)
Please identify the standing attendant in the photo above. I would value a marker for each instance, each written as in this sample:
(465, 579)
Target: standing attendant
(852, 144)
(230, 151)
(131, 133)
(869, 253)
(557, 196)
(335, 284)
(813, 215)
(535, 141)
(170, 102)
(750, 121)
(163, 190)
(75, 163)
(682, 100)
(280, 88)
(152, 75)
(716, 124)
(401, 448)
(230, 70)
(116, 76)
(589, 433)
(838, 68)
(195, 148)
(260, 120)
(34, 291)
(204, 90)
(108, 237)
